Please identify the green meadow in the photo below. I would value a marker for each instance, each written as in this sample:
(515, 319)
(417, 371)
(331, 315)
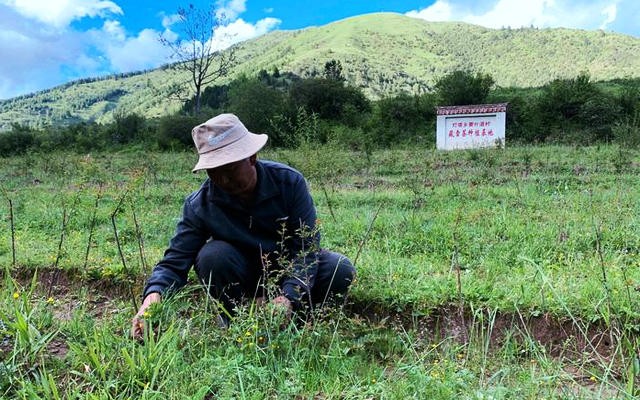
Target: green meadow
(497, 274)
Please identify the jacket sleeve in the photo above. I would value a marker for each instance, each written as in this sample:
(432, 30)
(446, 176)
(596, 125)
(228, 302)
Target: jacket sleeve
(171, 272)
(302, 246)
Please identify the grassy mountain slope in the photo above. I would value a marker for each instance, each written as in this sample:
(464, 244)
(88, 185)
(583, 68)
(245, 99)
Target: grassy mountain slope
(383, 53)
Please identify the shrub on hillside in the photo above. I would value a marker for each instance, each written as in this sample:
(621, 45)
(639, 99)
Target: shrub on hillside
(329, 98)
(213, 97)
(562, 99)
(256, 104)
(516, 127)
(126, 128)
(576, 109)
(350, 138)
(86, 137)
(630, 98)
(627, 133)
(174, 131)
(521, 123)
(293, 131)
(82, 137)
(402, 119)
(17, 141)
(463, 87)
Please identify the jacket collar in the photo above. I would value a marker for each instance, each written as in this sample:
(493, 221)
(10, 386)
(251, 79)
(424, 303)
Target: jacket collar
(266, 187)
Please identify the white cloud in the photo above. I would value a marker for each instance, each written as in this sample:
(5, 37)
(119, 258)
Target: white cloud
(38, 49)
(610, 15)
(169, 20)
(34, 57)
(59, 13)
(127, 54)
(230, 10)
(582, 14)
(239, 30)
(115, 30)
(439, 11)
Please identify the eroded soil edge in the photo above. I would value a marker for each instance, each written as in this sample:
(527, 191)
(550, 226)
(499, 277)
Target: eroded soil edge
(559, 337)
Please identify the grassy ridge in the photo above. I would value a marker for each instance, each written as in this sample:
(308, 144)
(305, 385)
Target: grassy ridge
(385, 54)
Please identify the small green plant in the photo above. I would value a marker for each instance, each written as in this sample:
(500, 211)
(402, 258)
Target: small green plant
(627, 133)
(25, 334)
(621, 160)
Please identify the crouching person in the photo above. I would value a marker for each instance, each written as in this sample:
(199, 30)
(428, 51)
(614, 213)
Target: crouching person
(251, 222)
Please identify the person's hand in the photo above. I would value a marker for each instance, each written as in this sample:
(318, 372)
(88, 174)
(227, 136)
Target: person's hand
(137, 326)
(283, 305)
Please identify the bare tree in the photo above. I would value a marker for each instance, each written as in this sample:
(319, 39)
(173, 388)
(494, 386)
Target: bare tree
(195, 51)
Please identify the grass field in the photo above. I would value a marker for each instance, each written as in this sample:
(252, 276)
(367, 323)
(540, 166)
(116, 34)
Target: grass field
(481, 274)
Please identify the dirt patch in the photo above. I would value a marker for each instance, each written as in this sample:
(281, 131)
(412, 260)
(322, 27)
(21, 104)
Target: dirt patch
(556, 337)
(5, 345)
(61, 282)
(58, 348)
(99, 296)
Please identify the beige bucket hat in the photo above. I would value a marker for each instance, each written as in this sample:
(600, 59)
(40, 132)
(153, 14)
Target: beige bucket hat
(224, 139)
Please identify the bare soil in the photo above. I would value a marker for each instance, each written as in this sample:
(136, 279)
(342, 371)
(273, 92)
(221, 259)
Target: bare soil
(558, 337)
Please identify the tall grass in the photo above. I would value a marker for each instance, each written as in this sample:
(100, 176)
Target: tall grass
(458, 254)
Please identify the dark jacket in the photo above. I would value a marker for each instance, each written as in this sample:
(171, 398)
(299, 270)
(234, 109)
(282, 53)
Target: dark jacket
(281, 219)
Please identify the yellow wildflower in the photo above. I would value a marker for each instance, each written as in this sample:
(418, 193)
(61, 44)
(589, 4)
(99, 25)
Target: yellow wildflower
(16, 295)
(50, 300)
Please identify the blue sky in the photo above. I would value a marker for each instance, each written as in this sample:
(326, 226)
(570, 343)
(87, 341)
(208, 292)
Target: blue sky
(44, 43)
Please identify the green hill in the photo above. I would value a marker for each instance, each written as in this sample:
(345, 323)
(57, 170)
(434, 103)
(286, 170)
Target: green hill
(382, 53)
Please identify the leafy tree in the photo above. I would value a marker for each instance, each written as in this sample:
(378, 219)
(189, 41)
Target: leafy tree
(328, 98)
(576, 106)
(562, 99)
(197, 53)
(630, 98)
(333, 71)
(213, 97)
(87, 136)
(18, 140)
(126, 127)
(462, 88)
(256, 103)
(402, 118)
(174, 131)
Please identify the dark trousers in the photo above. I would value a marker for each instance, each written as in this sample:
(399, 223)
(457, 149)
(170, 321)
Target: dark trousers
(231, 276)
